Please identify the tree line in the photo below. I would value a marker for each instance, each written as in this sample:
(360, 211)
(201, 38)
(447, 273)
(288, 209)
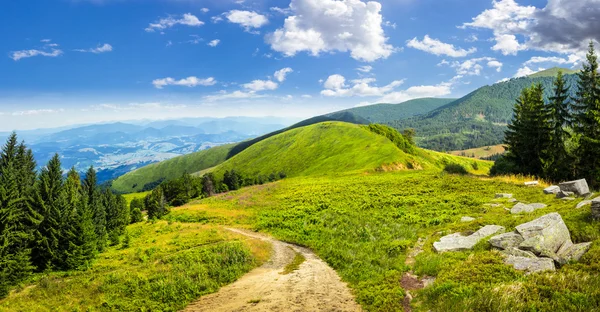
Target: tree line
(558, 139)
(180, 191)
(49, 221)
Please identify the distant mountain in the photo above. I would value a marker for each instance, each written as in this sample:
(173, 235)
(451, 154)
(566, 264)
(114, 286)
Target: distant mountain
(552, 72)
(382, 113)
(478, 119)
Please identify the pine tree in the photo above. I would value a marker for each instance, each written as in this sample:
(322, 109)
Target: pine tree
(48, 203)
(94, 202)
(156, 204)
(16, 219)
(528, 135)
(559, 165)
(587, 119)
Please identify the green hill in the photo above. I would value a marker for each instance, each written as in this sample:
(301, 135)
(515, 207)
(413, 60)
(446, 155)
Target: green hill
(552, 72)
(478, 119)
(380, 113)
(150, 176)
(331, 147)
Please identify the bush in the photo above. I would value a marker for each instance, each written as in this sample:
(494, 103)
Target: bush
(455, 169)
(504, 166)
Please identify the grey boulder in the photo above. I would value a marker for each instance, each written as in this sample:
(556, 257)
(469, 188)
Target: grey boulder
(458, 242)
(521, 208)
(467, 219)
(583, 204)
(552, 189)
(537, 206)
(502, 195)
(518, 253)
(506, 240)
(596, 208)
(579, 187)
(545, 233)
(574, 252)
(564, 194)
(530, 265)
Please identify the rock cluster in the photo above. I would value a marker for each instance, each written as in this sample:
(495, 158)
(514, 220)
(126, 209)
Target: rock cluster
(596, 209)
(458, 242)
(526, 208)
(539, 245)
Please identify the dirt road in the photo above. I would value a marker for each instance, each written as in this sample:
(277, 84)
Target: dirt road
(313, 287)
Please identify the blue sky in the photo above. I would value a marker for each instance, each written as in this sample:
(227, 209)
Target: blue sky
(81, 61)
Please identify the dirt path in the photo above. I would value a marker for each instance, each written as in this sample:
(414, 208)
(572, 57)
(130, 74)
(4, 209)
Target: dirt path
(313, 287)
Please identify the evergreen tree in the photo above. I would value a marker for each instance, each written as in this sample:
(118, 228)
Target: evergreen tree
(559, 165)
(528, 135)
(17, 220)
(48, 203)
(208, 185)
(95, 205)
(156, 204)
(587, 119)
(135, 210)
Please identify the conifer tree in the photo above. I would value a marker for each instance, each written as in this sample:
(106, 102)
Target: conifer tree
(16, 219)
(156, 204)
(559, 165)
(95, 205)
(49, 201)
(587, 119)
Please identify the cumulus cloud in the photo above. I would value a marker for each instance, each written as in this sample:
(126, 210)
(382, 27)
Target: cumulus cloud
(437, 47)
(186, 82)
(333, 25)
(473, 67)
(281, 74)
(99, 49)
(416, 92)
(526, 71)
(37, 112)
(235, 95)
(18, 55)
(563, 26)
(214, 43)
(365, 69)
(335, 86)
(247, 19)
(260, 85)
(187, 19)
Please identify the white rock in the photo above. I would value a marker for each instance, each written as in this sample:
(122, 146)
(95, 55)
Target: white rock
(502, 195)
(579, 187)
(552, 189)
(530, 264)
(458, 242)
(521, 208)
(467, 219)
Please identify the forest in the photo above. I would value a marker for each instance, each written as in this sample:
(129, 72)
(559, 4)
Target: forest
(49, 221)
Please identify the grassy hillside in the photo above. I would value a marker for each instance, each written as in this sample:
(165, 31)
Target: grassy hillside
(164, 267)
(330, 147)
(552, 72)
(365, 225)
(481, 152)
(382, 113)
(478, 119)
(136, 181)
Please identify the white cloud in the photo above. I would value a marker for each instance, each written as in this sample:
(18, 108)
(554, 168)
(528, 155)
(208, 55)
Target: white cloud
(335, 86)
(100, 49)
(186, 82)
(214, 43)
(246, 19)
(495, 64)
(437, 47)
(526, 71)
(473, 67)
(333, 25)
(37, 112)
(442, 89)
(17, 55)
(187, 19)
(281, 74)
(205, 10)
(365, 69)
(472, 38)
(261, 85)
(507, 44)
(235, 95)
(307, 96)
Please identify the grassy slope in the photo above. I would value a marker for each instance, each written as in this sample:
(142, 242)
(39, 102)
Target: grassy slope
(381, 113)
(552, 72)
(165, 267)
(330, 147)
(364, 225)
(481, 152)
(169, 169)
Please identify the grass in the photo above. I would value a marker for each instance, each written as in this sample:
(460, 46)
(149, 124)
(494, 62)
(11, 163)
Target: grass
(295, 264)
(481, 152)
(173, 168)
(132, 196)
(166, 266)
(364, 224)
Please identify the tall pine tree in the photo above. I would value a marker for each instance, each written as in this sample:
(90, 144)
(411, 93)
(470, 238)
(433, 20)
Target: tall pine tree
(97, 208)
(587, 119)
(558, 164)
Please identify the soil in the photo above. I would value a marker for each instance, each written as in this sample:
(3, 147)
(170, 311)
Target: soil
(313, 287)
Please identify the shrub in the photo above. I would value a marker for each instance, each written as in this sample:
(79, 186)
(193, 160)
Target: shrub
(455, 169)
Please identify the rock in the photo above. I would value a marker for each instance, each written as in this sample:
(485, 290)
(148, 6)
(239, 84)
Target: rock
(569, 199)
(467, 219)
(537, 206)
(583, 204)
(579, 187)
(548, 232)
(563, 194)
(501, 195)
(574, 252)
(596, 209)
(506, 240)
(530, 264)
(512, 200)
(521, 208)
(552, 189)
(518, 253)
(532, 183)
(458, 242)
